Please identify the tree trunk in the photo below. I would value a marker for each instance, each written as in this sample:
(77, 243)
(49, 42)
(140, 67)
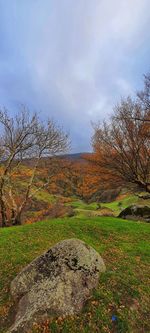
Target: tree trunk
(3, 212)
(4, 216)
(15, 218)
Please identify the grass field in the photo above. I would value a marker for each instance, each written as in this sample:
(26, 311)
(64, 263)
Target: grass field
(121, 302)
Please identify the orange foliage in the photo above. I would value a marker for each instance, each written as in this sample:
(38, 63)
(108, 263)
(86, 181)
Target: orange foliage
(82, 178)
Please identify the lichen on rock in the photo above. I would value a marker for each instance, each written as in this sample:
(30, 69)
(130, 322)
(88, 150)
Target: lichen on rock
(56, 283)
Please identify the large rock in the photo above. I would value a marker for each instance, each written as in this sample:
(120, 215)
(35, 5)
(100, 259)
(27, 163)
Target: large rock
(136, 213)
(56, 284)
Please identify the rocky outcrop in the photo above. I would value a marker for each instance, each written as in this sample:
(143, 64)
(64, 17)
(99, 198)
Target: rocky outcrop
(56, 283)
(136, 213)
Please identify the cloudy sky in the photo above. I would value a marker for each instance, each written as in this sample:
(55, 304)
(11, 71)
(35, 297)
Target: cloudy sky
(72, 60)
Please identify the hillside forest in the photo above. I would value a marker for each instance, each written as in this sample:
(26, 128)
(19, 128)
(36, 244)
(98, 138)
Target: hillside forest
(38, 176)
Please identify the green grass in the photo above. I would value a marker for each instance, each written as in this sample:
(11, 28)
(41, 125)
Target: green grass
(45, 196)
(125, 202)
(82, 209)
(123, 290)
(79, 204)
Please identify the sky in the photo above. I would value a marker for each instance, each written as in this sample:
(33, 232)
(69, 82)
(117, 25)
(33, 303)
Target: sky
(72, 60)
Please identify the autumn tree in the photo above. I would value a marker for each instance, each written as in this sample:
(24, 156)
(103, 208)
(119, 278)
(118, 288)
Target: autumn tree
(122, 144)
(24, 137)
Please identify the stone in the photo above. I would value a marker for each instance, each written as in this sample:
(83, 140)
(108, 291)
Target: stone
(57, 283)
(135, 212)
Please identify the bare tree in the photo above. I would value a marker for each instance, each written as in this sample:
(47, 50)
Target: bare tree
(144, 95)
(23, 137)
(123, 143)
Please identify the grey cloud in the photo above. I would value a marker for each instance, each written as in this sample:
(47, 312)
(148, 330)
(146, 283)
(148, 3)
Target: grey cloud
(72, 59)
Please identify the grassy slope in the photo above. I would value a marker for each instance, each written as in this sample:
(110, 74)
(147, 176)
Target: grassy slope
(116, 206)
(123, 289)
(125, 202)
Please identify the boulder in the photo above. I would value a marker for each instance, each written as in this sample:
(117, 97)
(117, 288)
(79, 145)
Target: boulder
(136, 213)
(55, 284)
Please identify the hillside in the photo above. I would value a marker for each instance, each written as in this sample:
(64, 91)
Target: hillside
(121, 302)
(76, 156)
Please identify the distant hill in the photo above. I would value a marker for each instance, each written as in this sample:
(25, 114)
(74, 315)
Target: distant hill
(76, 156)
